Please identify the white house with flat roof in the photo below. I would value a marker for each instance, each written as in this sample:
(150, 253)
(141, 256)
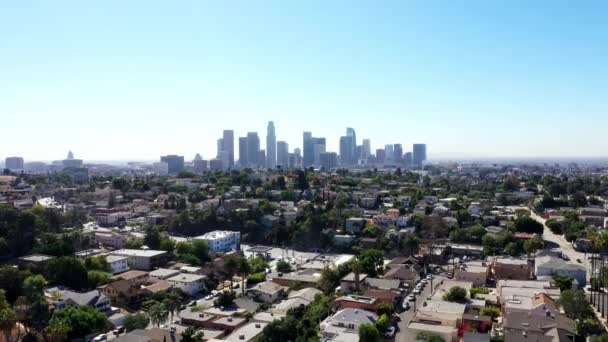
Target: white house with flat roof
(191, 284)
(117, 263)
(222, 240)
(142, 259)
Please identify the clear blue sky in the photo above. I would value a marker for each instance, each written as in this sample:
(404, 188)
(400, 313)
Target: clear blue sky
(137, 79)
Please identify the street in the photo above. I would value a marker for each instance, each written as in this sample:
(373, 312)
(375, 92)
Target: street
(563, 246)
(404, 334)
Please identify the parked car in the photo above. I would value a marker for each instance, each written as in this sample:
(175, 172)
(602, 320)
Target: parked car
(417, 291)
(192, 303)
(119, 330)
(208, 297)
(100, 337)
(565, 257)
(405, 305)
(390, 332)
(411, 298)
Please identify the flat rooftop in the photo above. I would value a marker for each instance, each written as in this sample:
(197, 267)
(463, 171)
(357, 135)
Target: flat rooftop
(146, 253)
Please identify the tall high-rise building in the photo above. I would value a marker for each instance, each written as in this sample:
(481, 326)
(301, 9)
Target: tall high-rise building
(261, 158)
(346, 150)
(329, 160)
(366, 151)
(398, 153)
(253, 149)
(283, 154)
(243, 160)
(407, 159)
(70, 161)
(271, 146)
(225, 158)
(175, 163)
(13, 163)
(388, 153)
(419, 154)
(308, 146)
(228, 142)
(318, 148)
(350, 132)
(380, 156)
(220, 147)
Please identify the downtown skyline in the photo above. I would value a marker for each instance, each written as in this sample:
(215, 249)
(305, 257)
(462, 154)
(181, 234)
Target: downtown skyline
(480, 80)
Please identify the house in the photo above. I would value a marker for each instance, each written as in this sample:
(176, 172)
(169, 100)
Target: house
(267, 292)
(356, 302)
(404, 273)
(142, 259)
(344, 324)
(537, 327)
(110, 239)
(476, 272)
(34, 260)
(550, 266)
(190, 284)
(382, 296)
(133, 277)
(222, 240)
(162, 274)
(383, 284)
(510, 268)
(117, 263)
(120, 292)
(447, 333)
(246, 333)
(355, 225)
(296, 299)
(60, 298)
(349, 282)
(441, 312)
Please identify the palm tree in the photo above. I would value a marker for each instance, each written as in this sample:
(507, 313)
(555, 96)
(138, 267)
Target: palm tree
(171, 305)
(158, 314)
(231, 265)
(357, 268)
(243, 271)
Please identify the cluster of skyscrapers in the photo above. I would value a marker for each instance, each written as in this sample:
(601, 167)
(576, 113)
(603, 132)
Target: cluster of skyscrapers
(277, 153)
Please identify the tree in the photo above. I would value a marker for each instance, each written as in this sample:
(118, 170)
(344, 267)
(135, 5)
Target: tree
(153, 237)
(81, 320)
(357, 269)
(8, 318)
(158, 314)
(68, 271)
(200, 248)
(283, 266)
(563, 282)
(368, 333)
(98, 278)
(136, 321)
(575, 304)
(225, 299)
(382, 323)
(600, 338)
(456, 294)
(372, 261)
(491, 311)
(190, 335)
(526, 224)
(172, 305)
(33, 288)
(257, 265)
(11, 281)
(533, 245)
(409, 244)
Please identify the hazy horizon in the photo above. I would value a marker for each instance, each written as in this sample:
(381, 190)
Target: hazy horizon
(136, 80)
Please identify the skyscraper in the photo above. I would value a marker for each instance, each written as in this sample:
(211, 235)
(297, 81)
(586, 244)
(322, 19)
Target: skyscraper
(220, 147)
(308, 147)
(380, 156)
(419, 155)
(367, 149)
(271, 146)
(175, 163)
(243, 160)
(346, 150)
(318, 148)
(350, 132)
(407, 159)
(388, 152)
(13, 163)
(253, 149)
(283, 154)
(398, 153)
(329, 160)
(228, 142)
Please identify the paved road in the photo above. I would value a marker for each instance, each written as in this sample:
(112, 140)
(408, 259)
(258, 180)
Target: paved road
(564, 246)
(404, 335)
